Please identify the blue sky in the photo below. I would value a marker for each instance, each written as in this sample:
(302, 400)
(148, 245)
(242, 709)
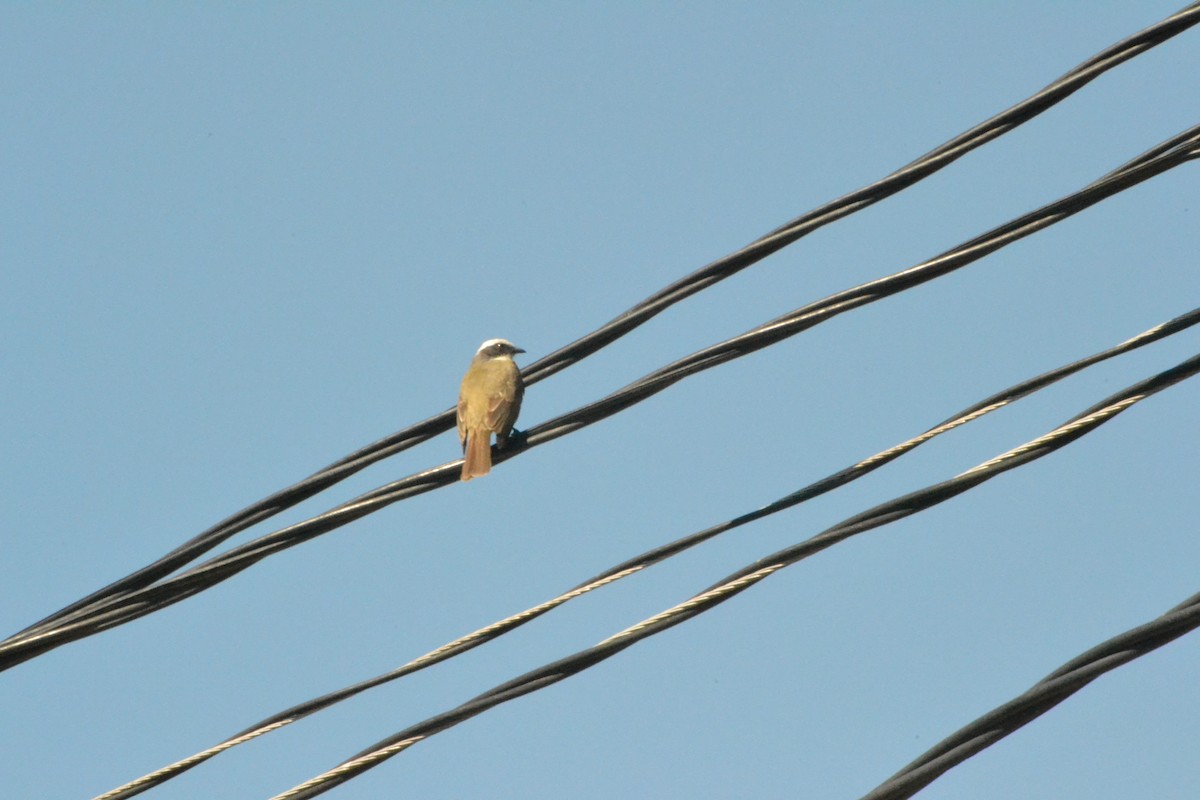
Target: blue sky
(240, 242)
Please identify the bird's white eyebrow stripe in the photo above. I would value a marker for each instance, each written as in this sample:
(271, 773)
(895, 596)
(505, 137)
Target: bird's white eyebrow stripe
(491, 342)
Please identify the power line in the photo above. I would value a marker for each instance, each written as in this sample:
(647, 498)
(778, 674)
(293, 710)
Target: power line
(732, 585)
(707, 276)
(122, 608)
(1041, 697)
(637, 564)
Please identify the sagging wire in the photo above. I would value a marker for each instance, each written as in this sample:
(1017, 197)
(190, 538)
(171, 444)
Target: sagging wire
(1040, 698)
(638, 563)
(574, 352)
(732, 585)
(120, 609)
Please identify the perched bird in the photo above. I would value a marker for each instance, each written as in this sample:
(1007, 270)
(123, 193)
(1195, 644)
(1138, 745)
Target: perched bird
(488, 402)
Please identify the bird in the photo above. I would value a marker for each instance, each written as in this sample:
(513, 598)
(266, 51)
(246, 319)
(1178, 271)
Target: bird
(488, 402)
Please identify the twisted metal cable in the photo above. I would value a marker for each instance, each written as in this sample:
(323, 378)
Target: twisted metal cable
(708, 275)
(739, 581)
(1040, 698)
(654, 556)
(123, 608)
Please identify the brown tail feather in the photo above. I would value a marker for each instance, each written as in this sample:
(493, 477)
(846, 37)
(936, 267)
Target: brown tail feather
(477, 458)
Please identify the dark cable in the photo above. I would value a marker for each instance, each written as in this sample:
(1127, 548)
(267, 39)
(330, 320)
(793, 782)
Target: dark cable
(651, 557)
(105, 614)
(739, 581)
(707, 276)
(1041, 697)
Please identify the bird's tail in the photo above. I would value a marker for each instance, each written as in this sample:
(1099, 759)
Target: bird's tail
(477, 457)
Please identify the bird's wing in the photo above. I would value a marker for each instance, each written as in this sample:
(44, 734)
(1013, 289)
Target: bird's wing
(499, 413)
(462, 420)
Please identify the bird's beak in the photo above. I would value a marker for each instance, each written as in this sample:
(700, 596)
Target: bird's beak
(517, 349)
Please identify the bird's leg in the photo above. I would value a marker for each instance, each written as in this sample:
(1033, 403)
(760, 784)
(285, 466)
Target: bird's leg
(514, 439)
